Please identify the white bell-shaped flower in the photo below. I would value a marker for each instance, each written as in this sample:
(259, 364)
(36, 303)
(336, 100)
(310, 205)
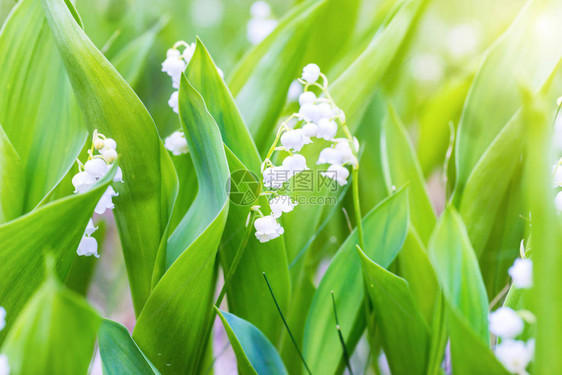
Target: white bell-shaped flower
(97, 167)
(337, 173)
(275, 177)
(267, 228)
(294, 164)
(295, 90)
(176, 143)
(109, 155)
(173, 65)
(2, 318)
(558, 201)
(83, 181)
(505, 323)
(109, 144)
(310, 73)
(329, 155)
(309, 112)
(105, 201)
(4, 365)
(326, 111)
(346, 153)
(514, 355)
(173, 101)
(307, 97)
(522, 273)
(310, 129)
(260, 9)
(294, 139)
(259, 29)
(281, 204)
(90, 228)
(88, 246)
(118, 175)
(327, 129)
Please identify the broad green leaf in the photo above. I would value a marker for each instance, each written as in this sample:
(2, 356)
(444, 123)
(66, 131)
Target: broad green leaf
(54, 334)
(545, 236)
(402, 167)
(385, 229)
(179, 308)
(119, 353)
(529, 50)
(456, 266)
(260, 81)
(55, 227)
(38, 110)
(111, 106)
(405, 334)
(248, 296)
(254, 353)
(12, 181)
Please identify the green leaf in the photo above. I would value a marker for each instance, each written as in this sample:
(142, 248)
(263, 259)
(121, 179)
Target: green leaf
(55, 227)
(525, 49)
(180, 305)
(54, 334)
(405, 335)
(385, 229)
(119, 353)
(248, 296)
(260, 81)
(254, 353)
(458, 274)
(12, 181)
(111, 106)
(38, 110)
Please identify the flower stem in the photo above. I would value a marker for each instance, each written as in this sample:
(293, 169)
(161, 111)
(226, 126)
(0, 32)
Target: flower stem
(357, 206)
(342, 341)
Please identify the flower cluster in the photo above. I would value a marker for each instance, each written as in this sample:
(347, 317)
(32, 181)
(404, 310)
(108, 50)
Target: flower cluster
(88, 174)
(507, 324)
(261, 24)
(320, 118)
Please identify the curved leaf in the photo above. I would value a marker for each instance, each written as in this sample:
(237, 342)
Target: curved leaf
(12, 181)
(119, 353)
(180, 305)
(385, 229)
(111, 106)
(254, 353)
(405, 335)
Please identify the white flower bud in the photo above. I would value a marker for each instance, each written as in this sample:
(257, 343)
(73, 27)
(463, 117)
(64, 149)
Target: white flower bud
(109, 155)
(176, 143)
(329, 155)
(310, 129)
(515, 356)
(96, 167)
(337, 173)
(307, 97)
(88, 246)
(173, 101)
(294, 139)
(310, 73)
(309, 111)
(99, 143)
(327, 129)
(2, 319)
(82, 182)
(173, 53)
(258, 29)
(522, 273)
(267, 228)
(90, 228)
(505, 323)
(294, 164)
(280, 204)
(4, 365)
(109, 144)
(260, 9)
(105, 201)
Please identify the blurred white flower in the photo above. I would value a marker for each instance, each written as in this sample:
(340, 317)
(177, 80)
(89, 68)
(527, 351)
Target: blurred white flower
(173, 101)
(558, 201)
(118, 175)
(310, 73)
(109, 144)
(275, 177)
(346, 153)
(260, 9)
(329, 155)
(309, 111)
(522, 273)
(267, 228)
(307, 97)
(426, 67)
(462, 40)
(327, 129)
(295, 90)
(176, 143)
(4, 365)
(281, 204)
(2, 318)
(105, 202)
(310, 129)
(83, 181)
(337, 173)
(515, 356)
(96, 167)
(88, 246)
(109, 155)
(174, 65)
(259, 29)
(294, 139)
(90, 228)
(505, 323)
(325, 111)
(294, 164)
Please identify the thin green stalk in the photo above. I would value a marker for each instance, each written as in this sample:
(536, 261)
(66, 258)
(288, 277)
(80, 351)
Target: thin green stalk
(342, 341)
(357, 207)
(286, 325)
